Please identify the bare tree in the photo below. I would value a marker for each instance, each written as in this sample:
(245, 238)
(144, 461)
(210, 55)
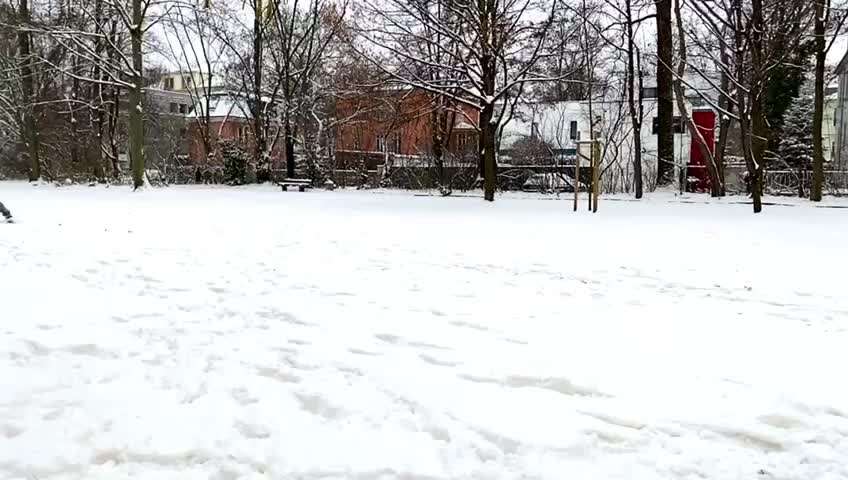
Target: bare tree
(755, 56)
(665, 102)
(29, 130)
(301, 33)
(822, 20)
(716, 181)
(94, 41)
(754, 39)
(191, 44)
(245, 45)
(624, 25)
(498, 46)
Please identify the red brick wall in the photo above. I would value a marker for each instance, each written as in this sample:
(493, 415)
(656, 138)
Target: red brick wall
(401, 113)
(228, 130)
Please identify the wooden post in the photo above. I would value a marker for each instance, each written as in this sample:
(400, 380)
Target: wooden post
(591, 176)
(576, 176)
(596, 173)
(591, 188)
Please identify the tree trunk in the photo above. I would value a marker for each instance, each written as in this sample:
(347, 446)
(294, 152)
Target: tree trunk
(635, 112)
(289, 148)
(95, 94)
(683, 110)
(208, 142)
(136, 94)
(113, 128)
(111, 115)
(818, 152)
(665, 102)
(437, 141)
(30, 130)
(725, 104)
(759, 141)
(72, 112)
(759, 128)
(721, 147)
(487, 152)
(489, 73)
(258, 121)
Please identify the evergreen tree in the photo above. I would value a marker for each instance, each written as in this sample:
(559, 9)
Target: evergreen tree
(796, 143)
(235, 162)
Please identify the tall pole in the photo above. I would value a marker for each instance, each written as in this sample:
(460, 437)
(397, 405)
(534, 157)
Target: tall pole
(596, 173)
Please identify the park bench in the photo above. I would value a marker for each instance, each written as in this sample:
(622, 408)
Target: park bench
(301, 183)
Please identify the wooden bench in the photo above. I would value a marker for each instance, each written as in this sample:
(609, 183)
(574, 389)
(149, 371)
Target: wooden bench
(301, 183)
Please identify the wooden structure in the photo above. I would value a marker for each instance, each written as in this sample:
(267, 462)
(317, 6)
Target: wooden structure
(591, 151)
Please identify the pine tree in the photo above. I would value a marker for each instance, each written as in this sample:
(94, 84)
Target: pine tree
(235, 162)
(796, 143)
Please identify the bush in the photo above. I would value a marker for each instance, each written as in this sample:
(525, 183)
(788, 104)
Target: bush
(235, 163)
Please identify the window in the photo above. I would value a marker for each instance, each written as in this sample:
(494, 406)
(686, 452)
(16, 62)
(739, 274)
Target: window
(394, 142)
(357, 137)
(649, 92)
(466, 141)
(169, 84)
(678, 125)
(183, 108)
(381, 143)
(573, 134)
(186, 82)
(173, 107)
(244, 133)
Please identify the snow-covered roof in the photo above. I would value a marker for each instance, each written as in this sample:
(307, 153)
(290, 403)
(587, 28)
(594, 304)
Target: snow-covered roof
(693, 80)
(549, 121)
(222, 105)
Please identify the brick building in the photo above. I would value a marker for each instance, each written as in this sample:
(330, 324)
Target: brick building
(400, 122)
(229, 119)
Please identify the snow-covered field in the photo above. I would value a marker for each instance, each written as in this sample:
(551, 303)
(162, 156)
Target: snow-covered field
(219, 333)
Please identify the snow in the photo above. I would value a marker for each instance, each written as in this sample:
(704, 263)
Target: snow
(222, 105)
(222, 333)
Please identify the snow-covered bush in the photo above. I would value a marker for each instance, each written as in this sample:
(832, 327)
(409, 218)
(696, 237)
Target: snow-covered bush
(235, 163)
(796, 143)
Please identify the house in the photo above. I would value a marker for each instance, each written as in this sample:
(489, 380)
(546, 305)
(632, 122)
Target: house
(229, 120)
(186, 81)
(188, 93)
(401, 121)
(164, 125)
(562, 125)
(839, 133)
(829, 125)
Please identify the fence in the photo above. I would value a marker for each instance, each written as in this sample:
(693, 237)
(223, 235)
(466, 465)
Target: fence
(794, 182)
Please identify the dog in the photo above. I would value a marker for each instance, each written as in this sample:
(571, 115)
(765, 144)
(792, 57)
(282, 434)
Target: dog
(6, 213)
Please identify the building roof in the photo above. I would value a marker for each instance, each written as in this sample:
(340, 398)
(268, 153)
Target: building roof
(222, 105)
(549, 121)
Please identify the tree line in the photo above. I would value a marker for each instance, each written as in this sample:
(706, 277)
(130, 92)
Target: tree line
(73, 74)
